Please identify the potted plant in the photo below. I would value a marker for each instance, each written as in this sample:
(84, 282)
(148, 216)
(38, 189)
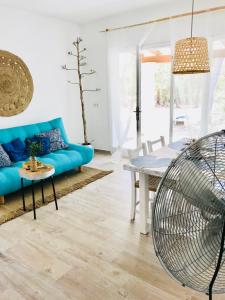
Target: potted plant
(81, 74)
(34, 149)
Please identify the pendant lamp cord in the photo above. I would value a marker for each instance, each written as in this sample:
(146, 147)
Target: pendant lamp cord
(192, 17)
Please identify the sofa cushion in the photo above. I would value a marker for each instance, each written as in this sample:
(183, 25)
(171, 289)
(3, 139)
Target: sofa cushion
(63, 160)
(10, 180)
(45, 144)
(16, 150)
(86, 152)
(56, 140)
(4, 158)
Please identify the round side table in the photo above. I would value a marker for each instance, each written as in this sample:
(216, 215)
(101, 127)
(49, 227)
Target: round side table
(40, 175)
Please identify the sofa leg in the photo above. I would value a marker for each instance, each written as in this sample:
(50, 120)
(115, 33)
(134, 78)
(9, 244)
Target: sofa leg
(81, 169)
(2, 200)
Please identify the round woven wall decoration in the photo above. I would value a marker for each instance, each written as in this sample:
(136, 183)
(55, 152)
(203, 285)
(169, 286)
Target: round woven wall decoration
(16, 84)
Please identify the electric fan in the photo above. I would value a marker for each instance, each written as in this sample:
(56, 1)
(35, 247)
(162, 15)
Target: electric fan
(188, 217)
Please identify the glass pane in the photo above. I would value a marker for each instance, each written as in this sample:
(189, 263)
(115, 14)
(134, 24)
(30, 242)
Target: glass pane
(217, 99)
(188, 95)
(217, 120)
(155, 89)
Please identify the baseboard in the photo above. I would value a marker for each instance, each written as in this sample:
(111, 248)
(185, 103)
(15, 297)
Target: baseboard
(102, 151)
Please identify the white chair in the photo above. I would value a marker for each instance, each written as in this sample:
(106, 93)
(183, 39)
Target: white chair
(152, 143)
(154, 181)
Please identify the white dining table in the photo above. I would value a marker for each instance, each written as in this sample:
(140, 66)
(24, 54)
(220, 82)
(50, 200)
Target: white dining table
(154, 164)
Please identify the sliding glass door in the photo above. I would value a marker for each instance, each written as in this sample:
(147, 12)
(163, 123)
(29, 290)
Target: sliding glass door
(198, 100)
(217, 93)
(182, 117)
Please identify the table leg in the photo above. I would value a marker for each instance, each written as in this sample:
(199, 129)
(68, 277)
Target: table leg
(42, 192)
(144, 205)
(23, 195)
(33, 198)
(54, 193)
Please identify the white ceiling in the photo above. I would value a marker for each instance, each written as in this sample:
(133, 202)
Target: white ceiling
(80, 11)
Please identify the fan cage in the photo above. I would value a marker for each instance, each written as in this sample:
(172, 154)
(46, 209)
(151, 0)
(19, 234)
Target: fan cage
(189, 213)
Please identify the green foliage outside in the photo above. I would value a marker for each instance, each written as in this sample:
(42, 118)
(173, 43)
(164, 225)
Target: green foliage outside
(162, 84)
(186, 93)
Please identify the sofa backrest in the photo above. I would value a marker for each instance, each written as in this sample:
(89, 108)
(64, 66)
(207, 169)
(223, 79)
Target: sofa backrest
(27, 131)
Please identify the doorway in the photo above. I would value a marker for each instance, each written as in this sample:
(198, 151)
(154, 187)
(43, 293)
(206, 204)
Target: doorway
(155, 92)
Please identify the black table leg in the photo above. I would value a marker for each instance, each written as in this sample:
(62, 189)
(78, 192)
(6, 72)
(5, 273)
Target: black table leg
(54, 193)
(42, 192)
(33, 198)
(23, 195)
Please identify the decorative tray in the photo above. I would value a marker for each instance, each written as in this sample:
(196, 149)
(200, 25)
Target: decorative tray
(40, 165)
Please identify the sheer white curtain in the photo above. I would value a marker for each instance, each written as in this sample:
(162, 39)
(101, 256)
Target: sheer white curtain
(122, 74)
(192, 96)
(217, 94)
(122, 87)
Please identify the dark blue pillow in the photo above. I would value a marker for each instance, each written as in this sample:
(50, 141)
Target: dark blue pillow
(44, 141)
(16, 150)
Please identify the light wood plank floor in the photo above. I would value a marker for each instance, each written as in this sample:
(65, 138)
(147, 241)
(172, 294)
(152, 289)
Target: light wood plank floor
(86, 250)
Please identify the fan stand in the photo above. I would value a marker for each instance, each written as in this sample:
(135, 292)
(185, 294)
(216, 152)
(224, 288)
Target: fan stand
(218, 263)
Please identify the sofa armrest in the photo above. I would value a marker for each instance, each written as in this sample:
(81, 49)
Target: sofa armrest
(86, 152)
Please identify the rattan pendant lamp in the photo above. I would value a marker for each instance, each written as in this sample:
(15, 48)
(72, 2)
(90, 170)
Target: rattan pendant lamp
(191, 54)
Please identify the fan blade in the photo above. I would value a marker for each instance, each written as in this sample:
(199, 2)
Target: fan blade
(204, 245)
(199, 191)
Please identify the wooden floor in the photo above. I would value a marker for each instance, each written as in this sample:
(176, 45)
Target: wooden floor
(88, 250)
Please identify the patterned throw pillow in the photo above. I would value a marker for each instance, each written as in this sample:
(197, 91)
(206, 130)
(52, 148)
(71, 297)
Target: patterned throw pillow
(4, 158)
(56, 140)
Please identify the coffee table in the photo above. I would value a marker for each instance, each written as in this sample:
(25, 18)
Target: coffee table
(40, 175)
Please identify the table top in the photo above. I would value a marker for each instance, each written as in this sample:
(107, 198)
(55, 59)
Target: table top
(40, 174)
(158, 161)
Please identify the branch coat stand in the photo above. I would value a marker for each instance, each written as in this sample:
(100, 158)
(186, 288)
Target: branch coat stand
(40, 175)
(80, 61)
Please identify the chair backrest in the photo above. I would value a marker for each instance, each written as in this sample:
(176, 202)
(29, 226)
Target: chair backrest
(145, 148)
(132, 153)
(150, 144)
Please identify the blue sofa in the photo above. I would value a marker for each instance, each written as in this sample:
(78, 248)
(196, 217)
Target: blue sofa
(63, 160)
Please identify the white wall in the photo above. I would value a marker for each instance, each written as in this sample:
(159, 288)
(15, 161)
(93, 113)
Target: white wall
(98, 109)
(42, 43)
(100, 116)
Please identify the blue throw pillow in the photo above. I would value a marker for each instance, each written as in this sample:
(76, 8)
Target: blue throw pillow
(45, 144)
(4, 158)
(16, 150)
